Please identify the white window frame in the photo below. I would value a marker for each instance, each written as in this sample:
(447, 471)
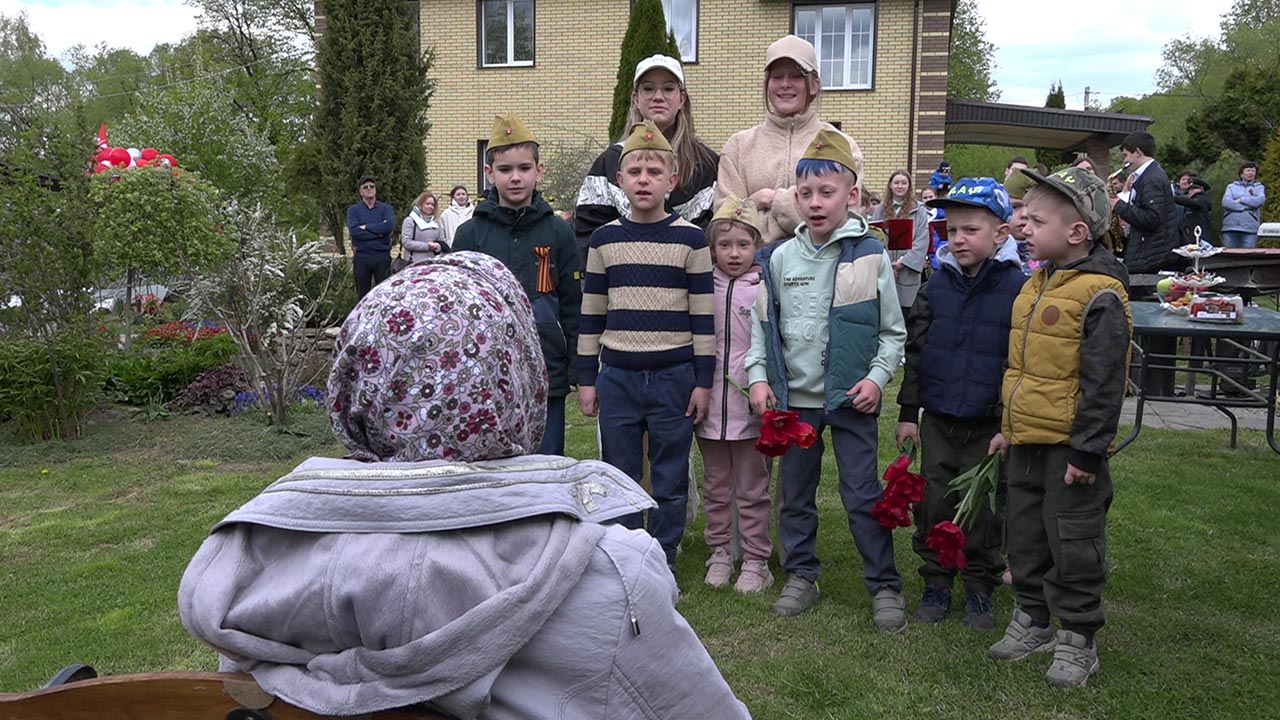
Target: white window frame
(511, 35)
(692, 56)
(849, 63)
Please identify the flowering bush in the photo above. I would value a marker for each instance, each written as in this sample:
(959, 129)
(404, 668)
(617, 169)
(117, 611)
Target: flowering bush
(174, 332)
(147, 304)
(309, 396)
(215, 391)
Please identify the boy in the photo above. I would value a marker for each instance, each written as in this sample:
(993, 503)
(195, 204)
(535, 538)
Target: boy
(832, 278)
(1062, 395)
(647, 351)
(957, 340)
(1017, 186)
(515, 225)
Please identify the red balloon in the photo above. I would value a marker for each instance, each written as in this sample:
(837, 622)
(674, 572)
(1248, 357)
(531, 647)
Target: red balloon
(149, 153)
(167, 159)
(103, 155)
(120, 157)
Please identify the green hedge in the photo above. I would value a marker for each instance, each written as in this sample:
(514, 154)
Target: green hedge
(46, 392)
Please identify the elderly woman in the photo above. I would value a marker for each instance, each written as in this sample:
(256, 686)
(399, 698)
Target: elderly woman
(440, 562)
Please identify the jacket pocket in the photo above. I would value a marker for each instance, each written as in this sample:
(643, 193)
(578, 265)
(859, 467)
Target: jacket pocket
(1082, 551)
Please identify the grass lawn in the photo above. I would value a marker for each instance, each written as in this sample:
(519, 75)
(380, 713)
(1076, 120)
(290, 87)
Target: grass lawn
(95, 534)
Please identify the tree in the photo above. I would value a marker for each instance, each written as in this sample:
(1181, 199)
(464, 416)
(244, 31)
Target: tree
(1055, 99)
(972, 60)
(374, 96)
(32, 90)
(1269, 174)
(646, 35)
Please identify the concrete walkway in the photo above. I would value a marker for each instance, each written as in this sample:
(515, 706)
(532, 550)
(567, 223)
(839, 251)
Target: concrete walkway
(1178, 416)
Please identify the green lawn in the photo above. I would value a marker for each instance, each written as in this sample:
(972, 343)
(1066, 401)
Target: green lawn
(91, 552)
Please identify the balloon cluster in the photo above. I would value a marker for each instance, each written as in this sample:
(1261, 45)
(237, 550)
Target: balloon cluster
(118, 158)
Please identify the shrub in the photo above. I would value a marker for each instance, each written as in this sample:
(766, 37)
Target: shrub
(333, 288)
(215, 391)
(147, 375)
(177, 333)
(47, 390)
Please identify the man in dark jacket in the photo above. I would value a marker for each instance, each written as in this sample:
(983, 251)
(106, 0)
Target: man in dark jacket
(515, 225)
(370, 223)
(1149, 209)
(1196, 206)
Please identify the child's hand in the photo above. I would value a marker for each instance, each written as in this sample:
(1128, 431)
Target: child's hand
(587, 401)
(1076, 476)
(908, 430)
(866, 396)
(761, 397)
(698, 403)
(999, 445)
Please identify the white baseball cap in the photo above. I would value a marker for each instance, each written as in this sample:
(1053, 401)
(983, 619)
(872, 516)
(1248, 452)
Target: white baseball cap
(662, 62)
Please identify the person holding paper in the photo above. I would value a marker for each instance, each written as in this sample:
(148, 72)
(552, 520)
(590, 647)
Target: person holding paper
(906, 221)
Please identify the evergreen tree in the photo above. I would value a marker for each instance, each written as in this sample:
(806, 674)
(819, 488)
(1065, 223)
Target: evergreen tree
(1056, 99)
(372, 115)
(1269, 175)
(647, 35)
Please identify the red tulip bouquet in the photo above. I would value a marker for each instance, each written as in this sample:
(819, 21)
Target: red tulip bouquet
(780, 429)
(979, 487)
(903, 490)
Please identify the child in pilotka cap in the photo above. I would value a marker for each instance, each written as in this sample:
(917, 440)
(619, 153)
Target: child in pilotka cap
(1062, 395)
(647, 350)
(735, 475)
(827, 337)
(957, 340)
(515, 225)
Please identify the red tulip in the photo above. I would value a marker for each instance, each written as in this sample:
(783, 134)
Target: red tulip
(891, 514)
(947, 539)
(780, 429)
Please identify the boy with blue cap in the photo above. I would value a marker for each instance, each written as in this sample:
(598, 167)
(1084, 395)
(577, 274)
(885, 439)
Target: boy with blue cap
(957, 340)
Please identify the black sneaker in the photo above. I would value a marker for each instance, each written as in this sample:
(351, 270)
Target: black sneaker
(935, 603)
(977, 610)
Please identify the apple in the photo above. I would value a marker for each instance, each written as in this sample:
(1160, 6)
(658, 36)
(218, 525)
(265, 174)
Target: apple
(1164, 286)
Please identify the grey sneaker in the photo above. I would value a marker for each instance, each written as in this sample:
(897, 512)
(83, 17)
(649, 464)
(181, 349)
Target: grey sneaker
(719, 568)
(977, 610)
(889, 610)
(935, 603)
(1022, 638)
(1075, 659)
(797, 596)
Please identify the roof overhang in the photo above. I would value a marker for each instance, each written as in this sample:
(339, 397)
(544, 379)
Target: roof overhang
(983, 123)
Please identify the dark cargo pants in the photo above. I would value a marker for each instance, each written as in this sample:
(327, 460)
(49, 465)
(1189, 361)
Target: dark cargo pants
(1057, 538)
(949, 448)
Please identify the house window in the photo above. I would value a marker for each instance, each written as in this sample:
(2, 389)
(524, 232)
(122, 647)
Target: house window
(506, 32)
(844, 36)
(682, 21)
(482, 182)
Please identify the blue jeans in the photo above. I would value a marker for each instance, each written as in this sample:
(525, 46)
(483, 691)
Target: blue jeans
(855, 437)
(1238, 239)
(553, 438)
(631, 403)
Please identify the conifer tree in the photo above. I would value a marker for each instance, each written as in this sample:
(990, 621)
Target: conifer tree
(372, 115)
(1055, 99)
(646, 35)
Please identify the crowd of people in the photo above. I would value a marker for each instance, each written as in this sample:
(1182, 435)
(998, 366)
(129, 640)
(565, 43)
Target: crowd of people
(693, 294)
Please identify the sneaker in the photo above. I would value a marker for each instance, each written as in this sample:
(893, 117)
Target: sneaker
(1075, 660)
(797, 596)
(977, 610)
(1022, 638)
(935, 603)
(755, 577)
(889, 610)
(719, 568)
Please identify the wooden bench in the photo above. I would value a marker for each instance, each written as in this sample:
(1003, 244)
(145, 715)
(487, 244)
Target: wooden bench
(76, 693)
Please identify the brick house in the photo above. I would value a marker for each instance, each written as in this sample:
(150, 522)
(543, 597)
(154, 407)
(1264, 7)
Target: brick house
(884, 68)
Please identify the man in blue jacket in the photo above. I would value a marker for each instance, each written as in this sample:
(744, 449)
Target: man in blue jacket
(370, 223)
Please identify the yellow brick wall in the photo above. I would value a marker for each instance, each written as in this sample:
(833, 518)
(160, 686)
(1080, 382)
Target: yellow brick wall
(567, 95)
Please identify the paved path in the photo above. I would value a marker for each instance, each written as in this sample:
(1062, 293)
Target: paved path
(1191, 417)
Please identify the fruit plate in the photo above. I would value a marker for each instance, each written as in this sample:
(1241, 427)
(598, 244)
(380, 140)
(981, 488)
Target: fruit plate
(1183, 310)
(1196, 251)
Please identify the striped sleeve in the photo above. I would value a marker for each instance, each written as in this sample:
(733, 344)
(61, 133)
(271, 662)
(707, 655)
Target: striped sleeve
(702, 319)
(595, 308)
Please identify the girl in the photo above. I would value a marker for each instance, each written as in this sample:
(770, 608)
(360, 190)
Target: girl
(760, 162)
(458, 212)
(659, 96)
(421, 237)
(908, 265)
(734, 473)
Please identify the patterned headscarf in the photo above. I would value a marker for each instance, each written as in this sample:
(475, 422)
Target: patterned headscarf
(440, 362)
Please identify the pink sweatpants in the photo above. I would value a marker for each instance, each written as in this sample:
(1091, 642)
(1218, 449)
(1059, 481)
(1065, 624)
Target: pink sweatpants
(733, 472)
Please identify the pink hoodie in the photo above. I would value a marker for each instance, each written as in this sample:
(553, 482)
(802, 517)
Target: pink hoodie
(729, 416)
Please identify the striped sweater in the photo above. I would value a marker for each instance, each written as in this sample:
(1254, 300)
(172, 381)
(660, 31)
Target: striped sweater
(648, 300)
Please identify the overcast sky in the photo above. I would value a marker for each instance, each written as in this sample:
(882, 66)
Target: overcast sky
(1112, 47)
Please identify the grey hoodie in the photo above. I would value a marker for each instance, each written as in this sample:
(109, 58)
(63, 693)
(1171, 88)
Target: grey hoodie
(485, 590)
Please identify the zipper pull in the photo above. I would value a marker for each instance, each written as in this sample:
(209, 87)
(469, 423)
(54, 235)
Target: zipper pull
(635, 625)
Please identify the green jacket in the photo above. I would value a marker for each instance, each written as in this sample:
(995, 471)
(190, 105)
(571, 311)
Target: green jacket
(539, 249)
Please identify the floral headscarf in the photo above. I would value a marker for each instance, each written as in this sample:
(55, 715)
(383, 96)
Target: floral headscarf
(440, 362)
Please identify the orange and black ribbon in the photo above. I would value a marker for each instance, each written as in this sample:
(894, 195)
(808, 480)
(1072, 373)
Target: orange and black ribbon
(545, 284)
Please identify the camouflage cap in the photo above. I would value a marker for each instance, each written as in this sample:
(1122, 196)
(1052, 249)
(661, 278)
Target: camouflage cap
(645, 136)
(738, 210)
(507, 130)
(1086, 192)
(1018, 184)
(831, 145)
